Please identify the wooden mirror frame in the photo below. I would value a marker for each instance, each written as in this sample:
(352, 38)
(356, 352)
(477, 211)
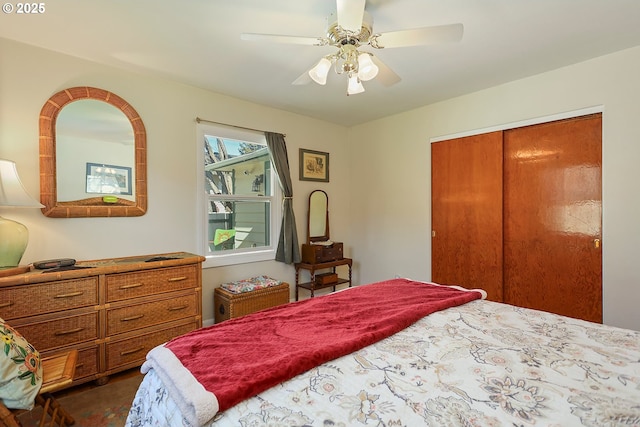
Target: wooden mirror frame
(95, 206)
(325, 236)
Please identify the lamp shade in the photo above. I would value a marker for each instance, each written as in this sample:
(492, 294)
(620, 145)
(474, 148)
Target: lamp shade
(13, 235)
(366, 68)
(320, 71)
(354, 86)
(12, 192)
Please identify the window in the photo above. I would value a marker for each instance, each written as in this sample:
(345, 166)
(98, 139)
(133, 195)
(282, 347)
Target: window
(240, 209)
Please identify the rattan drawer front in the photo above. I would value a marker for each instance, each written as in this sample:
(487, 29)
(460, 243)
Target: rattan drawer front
(61, 332)
(154, 313)
(31, 300)
(87, 362)
(150, 282)
(134, 350)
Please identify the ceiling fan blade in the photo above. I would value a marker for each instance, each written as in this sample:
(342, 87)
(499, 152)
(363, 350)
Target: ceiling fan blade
(350, 14)
(386, 75)
(418, 36)
(275, 38)
(303, 79)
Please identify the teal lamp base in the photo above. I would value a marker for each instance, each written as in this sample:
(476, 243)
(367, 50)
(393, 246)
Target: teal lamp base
(13, 242)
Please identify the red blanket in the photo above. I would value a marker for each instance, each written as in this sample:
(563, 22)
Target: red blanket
(242, 357)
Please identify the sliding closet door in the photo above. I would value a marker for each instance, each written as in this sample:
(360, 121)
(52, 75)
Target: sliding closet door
(552, 217)
(466, 212)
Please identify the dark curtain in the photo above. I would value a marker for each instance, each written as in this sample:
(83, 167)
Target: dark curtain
(288, 248)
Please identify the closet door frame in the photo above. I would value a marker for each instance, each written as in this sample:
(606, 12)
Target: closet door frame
(596, 314)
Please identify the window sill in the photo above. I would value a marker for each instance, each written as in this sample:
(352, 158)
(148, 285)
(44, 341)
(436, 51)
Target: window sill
(238, 258)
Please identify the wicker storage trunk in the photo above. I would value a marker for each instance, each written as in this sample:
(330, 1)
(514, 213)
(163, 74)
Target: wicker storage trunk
(228, 305)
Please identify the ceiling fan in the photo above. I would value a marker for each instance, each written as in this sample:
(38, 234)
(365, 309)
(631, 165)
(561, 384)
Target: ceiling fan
(350, 29)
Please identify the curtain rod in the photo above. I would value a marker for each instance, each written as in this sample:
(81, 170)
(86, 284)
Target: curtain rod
(198, 120)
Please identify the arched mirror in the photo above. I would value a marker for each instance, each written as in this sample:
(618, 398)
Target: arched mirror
(93, 156)
(318, 217)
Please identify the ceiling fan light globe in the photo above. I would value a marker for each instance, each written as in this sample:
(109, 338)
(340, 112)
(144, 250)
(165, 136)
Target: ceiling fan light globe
(367, 70)
(354, 86)
(319, 73)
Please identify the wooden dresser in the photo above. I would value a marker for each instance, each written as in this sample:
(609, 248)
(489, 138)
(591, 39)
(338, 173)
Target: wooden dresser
(112, 310)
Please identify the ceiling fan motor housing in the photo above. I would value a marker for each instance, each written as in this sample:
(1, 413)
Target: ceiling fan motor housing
(340, 36)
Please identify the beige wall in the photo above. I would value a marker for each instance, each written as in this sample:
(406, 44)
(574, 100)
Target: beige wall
(29, 76)
(392, 230)
(382, 215)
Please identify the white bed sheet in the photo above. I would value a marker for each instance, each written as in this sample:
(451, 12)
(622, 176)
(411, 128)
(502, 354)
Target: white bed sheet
(480, 364)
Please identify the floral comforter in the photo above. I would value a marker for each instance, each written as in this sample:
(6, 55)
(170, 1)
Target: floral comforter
(479, 364)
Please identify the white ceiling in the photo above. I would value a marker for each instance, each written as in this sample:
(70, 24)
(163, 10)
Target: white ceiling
(198, 42)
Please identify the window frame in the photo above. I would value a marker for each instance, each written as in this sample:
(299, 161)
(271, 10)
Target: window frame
(235, 256)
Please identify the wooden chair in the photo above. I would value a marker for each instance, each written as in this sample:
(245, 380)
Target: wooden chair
(7, 418)
(57, 371)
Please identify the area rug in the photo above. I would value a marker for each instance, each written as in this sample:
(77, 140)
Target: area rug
(100, 406)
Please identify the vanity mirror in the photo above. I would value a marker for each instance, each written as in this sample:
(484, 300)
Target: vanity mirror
(318, 217)
(320, 253)
(93, 156)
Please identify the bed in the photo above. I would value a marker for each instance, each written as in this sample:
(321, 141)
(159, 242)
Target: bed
(456, 360)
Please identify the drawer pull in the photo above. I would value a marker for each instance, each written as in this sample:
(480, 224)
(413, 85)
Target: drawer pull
(127, 319)
(128, 352)
(70, 331)
(178, 279)
(133, 285)
(72, 294)
(6, 304)
(180, 307)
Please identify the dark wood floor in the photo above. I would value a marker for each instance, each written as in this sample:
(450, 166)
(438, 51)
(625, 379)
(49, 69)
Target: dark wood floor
(93, 384)
(80, 388)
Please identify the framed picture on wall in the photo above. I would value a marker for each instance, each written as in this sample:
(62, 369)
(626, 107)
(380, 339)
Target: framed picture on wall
(108, 179)
(314, 165)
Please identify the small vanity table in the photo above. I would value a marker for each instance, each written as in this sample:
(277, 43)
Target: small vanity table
(320, 253)
(314, 284)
